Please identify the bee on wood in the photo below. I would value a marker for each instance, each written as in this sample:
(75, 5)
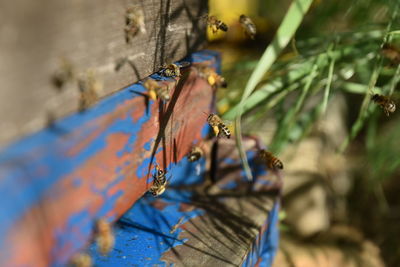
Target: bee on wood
(270, 160)
(159, 183)
(215, 24)
(157, 90)
(81, 260)
(218, 126)
(134, 23)
(248, 25)
(392, 53)
(89, 88)
(195, 154)
(212, 77)
(63, 75)
(174, 70)
(385, 103)
(105, 238)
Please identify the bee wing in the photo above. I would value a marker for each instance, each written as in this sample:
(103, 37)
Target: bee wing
(183, 64)
(228, 123)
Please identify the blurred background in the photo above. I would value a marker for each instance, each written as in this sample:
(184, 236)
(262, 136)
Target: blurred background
(340, 205)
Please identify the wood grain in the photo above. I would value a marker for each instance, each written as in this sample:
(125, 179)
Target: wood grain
(36, 36)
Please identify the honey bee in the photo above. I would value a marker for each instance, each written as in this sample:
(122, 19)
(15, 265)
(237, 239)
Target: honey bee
(134, 23)
(195, 154)
(157, 90)
(218, 126)
(385, 103)
(270, 160)
(105, 238)
(248, 25)
(159, 183)
(63, 75)
(212, 77)
(81, 260)
(215, 24)
(89, 89)
(174, 70)
(392, 53)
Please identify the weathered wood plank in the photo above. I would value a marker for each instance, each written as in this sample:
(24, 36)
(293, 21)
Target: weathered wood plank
(36, 35)
(94, 164)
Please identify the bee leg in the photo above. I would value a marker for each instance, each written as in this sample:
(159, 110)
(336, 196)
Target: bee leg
(216, 130)
(153, 95)
(211, 80)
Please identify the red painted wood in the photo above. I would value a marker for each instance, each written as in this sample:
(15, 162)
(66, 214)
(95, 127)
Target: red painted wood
(110, 176)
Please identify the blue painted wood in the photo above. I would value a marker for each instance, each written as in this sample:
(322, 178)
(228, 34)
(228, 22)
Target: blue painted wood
(156, 227)
(94, 164)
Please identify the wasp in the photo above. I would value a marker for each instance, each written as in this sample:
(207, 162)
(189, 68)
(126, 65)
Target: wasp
(89, 88)
(215, 24)
(105, 238)
(392, 53)
(81, 260)
(248, 25)
(159, 183)
(385, 103)
(212, 77)
(270, 160)
(218, 126)
(134, 23)
(157, 90)
(195, 154)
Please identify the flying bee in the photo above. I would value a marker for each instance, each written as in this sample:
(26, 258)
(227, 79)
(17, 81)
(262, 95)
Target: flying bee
(105, 238)
(215, 24)
(212, 77)
(81, 260)
(159, 183)
(89, 88)
(156, 90)
(195, 154)
(392, 53)
(385, 103)
(248, 25)
(270, 160)
(134, 23)
(218, 126)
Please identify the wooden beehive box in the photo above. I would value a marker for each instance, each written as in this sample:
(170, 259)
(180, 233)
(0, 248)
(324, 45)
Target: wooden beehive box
(62, 167)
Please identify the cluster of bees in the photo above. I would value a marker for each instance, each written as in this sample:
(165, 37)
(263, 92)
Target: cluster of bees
(218, 126)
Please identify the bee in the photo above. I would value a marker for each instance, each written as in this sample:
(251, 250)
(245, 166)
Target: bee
(105, 238)
(270, 160)
(195, 154)
(392, 53)
(81, 260)
(218, 126)
(159, 183)
(248, 25)
(174, 70)
(212, 77)
(89, 88)
(215, 24)
(63, 75)
(157, 90)
(385, 103)
(134, 23)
